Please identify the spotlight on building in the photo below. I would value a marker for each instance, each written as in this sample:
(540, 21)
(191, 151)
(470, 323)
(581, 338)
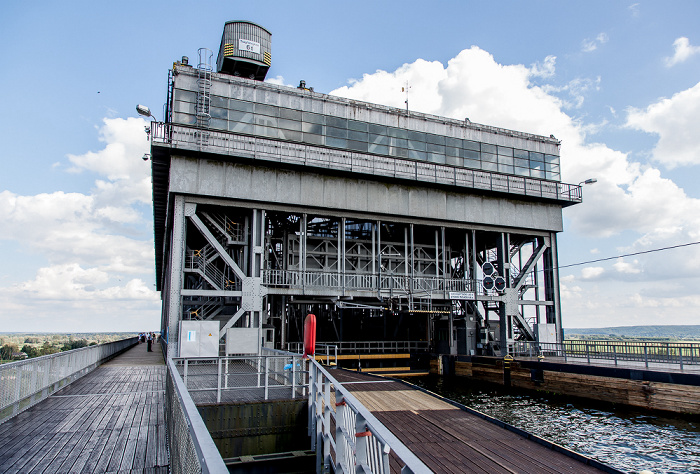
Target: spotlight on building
(588, 181)
(145, 111)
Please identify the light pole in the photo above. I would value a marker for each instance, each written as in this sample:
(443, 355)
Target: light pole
(588, 181)
(145, 111)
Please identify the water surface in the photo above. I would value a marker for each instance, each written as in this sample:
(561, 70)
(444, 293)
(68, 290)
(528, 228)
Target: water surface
(624, 438)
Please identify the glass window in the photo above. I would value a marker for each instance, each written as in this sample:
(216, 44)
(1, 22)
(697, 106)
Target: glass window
(313, 118)
(520, 153)
(485, 165)
(505, 168)
(290, 135)
(241, 127)
(314, 139)
(453, 142)
(417, 145)
(451, 151)
(315, 128)
(289, 124)
(521, 162)
(505, 160)
(436, 158)
(454, 160)
(471, 154)
(554, 176)
(217, 101)
(379, 149)
(290, 114)
(417, 155)
(551, 167)
(534, 165)
(522, 171)
(219, 113)
(336, 142)
(489, 157)
(357, 126)
(399, 142)
(485, 147)
(187, 96)
(337, 132)
(264, 131)
(416, 136)
(266, 121)
(186, 119)
(241, 105)
(219, 124)
(505, 151)
(378, 139)
(536, 156)
(358, 136)
(185, 107)
(377, 129)
(357, 145)
(476, 164)
(269, 110)
(396, 132)
(476, 146)
(399, 152)
(238, 116)
(551, 158)
(436, 148)
(537, 173)
(336, 122)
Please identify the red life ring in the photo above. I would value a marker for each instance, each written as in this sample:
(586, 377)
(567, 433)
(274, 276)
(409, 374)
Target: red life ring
(309, 335)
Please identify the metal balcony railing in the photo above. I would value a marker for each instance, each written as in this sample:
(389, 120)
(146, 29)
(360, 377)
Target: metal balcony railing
(226, 143)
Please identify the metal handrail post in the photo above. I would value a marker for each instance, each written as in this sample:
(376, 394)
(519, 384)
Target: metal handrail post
(680, 357)
(588, 355)
(184, 373)
(646, 357)
(615, 353)
(218, 381)
(267, 376)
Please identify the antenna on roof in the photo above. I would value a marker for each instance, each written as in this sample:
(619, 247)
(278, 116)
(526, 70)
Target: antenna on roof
(405, 89)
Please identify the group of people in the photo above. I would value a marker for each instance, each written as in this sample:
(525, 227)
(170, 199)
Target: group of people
(149, 338)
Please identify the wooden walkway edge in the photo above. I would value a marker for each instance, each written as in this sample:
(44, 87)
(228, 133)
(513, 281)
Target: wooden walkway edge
(110, 420)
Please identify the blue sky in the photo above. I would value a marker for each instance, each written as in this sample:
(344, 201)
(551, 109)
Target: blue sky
(617, 82)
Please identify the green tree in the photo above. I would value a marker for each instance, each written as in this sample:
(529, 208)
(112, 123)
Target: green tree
(74, 344)
(7, 350)
(47, 348)
(31, 351)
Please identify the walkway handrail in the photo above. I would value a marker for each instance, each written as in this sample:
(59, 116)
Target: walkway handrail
(190, 444)
(25, 383)
(360, 441)
(680, 353)
(364, 346)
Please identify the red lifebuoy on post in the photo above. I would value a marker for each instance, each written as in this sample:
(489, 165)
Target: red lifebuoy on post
(309, 335)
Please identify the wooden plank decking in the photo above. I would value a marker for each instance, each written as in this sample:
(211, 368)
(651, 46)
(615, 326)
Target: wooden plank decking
(111, 420)
(448, 439)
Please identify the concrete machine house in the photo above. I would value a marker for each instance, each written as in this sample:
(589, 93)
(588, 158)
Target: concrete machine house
(272, 202)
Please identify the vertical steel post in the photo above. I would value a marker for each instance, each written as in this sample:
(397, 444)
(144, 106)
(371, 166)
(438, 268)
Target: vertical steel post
(218, 380)
(646, 357)
(267, 376)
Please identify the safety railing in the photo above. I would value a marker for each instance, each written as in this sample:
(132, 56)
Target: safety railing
(354, 347)
(226, 143)
(642, 352)
(191, 447)
(346, 436)
(368, 282)
(280, 375)
(27, 382)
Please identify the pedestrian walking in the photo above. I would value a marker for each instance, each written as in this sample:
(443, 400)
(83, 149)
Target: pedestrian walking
(149, 341)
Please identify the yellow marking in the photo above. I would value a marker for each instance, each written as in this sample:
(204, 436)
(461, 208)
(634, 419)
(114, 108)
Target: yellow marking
(267, 58)
(364, 356)
(384, 369)
(228, 49)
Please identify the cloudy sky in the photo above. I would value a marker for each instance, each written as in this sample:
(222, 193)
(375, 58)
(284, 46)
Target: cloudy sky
(617, 82)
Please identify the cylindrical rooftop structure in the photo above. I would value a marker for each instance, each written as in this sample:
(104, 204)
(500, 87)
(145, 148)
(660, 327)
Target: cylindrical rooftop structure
(245, 50)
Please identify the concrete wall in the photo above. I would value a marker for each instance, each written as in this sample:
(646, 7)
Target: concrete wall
(298, 188)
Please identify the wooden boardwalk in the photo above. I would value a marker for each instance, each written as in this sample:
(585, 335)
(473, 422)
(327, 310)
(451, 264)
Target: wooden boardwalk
(111, 420)
(448, 439)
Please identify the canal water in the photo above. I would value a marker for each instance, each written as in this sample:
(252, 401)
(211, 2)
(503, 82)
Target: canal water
(626, 439)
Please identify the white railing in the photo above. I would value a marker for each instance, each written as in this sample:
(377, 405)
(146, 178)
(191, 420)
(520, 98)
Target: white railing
(274, 375)
(346, 436)
(220, 142)
(191, 447)
(27, 382)
(674, 353)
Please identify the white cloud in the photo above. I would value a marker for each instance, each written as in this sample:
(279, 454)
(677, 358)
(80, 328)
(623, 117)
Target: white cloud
(592, 273)
(675, 121)
(591, 44)
(626, 267)
(544, 69)
(683, 50)
(98, 245)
